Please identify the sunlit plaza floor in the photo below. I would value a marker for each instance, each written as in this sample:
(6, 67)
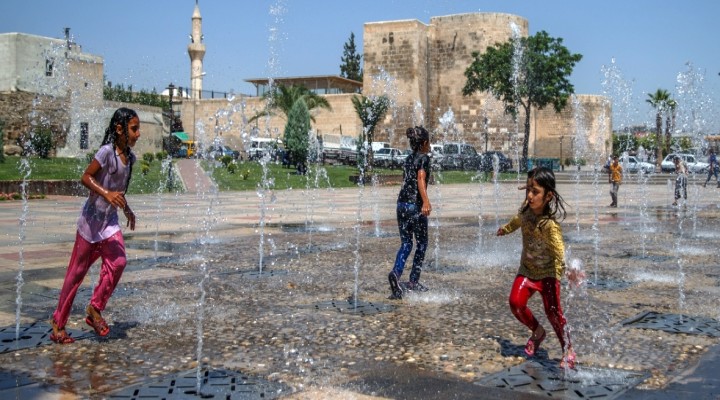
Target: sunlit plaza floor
(193, 292)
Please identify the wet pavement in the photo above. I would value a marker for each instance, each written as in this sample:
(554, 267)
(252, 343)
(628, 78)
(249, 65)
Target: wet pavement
(266, 316)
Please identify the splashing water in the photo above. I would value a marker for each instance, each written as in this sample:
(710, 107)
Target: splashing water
(25, 171)
(163, 184)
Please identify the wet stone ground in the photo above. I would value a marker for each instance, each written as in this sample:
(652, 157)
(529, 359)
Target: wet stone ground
(267, 325)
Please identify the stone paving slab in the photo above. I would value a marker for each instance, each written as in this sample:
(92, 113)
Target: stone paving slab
(458, 332)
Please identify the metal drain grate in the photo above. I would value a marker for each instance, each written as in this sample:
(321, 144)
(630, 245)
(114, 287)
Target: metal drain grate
(10, 380)
(30, 336)
(675, 323)
(349, 306)
(546, 378)
(216, 384)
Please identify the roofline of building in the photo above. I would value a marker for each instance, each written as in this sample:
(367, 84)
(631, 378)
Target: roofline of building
(337, 78)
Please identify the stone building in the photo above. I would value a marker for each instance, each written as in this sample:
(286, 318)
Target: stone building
(421, 68)
(52, 84)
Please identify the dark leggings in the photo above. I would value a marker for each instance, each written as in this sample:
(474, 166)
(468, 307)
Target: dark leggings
(411, 223)
(523, 288)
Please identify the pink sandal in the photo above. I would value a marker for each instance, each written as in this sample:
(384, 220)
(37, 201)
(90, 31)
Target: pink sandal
(534, 344)
(100, 326)
(568, 360)
(61, 337)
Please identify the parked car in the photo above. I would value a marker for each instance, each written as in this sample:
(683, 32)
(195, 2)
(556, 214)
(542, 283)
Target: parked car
(488, 159)
(460, 156)
(388, 157)
(436, 154)
(633, 165)
(219, 151)
(690, 160)
(260, 147)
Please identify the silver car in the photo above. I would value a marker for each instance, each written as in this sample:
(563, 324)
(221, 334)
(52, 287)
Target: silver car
(690, 160)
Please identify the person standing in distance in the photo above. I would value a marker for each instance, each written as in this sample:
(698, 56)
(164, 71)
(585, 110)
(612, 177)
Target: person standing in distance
(713, 168)
(615, 172)
(413, 209)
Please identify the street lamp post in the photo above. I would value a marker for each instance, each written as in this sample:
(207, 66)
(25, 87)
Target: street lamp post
(171, 89)
(562, 166)
(486, 121)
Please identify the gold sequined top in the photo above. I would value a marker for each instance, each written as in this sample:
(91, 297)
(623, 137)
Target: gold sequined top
(543, 253)
(615, 173)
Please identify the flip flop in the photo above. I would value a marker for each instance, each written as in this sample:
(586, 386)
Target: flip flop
(534, 344)
(62, 338)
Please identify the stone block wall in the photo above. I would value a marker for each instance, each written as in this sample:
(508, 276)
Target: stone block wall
(584, 126)
(20, 111)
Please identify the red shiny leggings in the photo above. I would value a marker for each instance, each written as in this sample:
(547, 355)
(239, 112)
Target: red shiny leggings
(523, 288)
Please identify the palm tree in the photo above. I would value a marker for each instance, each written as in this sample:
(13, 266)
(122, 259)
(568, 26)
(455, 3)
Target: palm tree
(659, 101)
(669, 124)
(283, 98)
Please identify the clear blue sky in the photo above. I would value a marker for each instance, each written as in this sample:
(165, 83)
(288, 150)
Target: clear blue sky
(144, 43)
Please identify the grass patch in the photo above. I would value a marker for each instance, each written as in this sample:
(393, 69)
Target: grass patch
(247, 176)
(42, 168)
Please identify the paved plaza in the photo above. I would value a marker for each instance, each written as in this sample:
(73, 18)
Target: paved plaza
(268, 284)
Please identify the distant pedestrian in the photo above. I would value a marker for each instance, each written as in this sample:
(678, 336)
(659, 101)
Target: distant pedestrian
(413, 209)
(615, 173)
(98, 230)
(713, 168)
(681, 180)
(542, 263)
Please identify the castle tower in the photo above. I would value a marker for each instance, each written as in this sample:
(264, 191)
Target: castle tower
(196, 50)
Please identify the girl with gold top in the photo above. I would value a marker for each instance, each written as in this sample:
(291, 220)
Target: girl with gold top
(542, 263)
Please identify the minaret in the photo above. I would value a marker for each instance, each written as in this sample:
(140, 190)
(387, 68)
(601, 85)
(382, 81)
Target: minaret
(196, 50)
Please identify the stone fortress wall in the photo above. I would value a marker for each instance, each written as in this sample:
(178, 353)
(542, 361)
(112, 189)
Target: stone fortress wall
(426, 66)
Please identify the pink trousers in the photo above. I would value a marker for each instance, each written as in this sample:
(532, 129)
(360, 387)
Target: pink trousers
(549, 289)
(112, 252)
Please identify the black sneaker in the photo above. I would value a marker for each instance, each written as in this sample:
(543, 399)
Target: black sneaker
(394, 287)
(413, 286)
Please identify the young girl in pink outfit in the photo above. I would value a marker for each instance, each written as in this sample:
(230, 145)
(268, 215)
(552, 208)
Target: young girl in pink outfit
(542, 263)
(98, 230)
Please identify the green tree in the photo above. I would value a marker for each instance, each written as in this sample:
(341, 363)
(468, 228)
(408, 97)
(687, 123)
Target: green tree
(535, 79)
(351, 67)
(297, 131)
(660, 101)
(283, 98)
(623, 142)
(370, 111)
(119, 93)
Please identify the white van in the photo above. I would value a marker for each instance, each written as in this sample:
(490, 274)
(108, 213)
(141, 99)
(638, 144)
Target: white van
(258, 147)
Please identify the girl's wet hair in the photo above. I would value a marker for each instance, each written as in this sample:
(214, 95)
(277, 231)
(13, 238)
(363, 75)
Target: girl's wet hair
(417, 136)
(122, 117)
(545, 178)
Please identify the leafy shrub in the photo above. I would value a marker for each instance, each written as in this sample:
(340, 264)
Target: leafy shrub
(149, 157)
(161, 155)
(144, 166)
(226, 160)
(231, 167)
(89, 156)
(41, 142)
